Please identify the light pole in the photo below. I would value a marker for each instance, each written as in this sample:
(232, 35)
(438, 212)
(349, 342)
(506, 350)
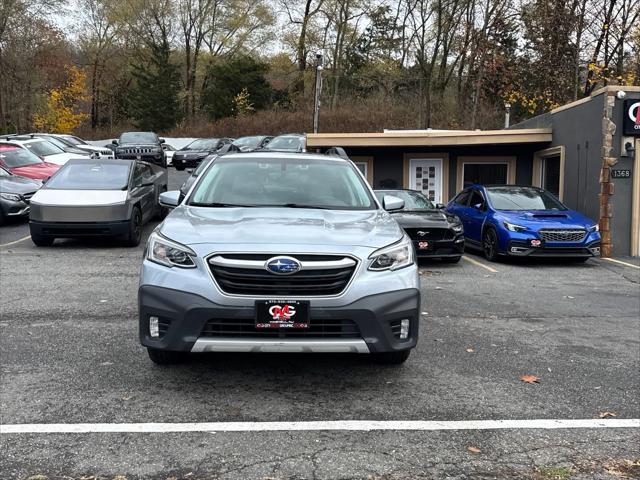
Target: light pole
(318, 89)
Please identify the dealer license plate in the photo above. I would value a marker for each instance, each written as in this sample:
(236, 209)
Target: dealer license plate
(282, 314)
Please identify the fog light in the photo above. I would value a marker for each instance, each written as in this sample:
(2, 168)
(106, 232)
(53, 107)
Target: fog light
(404, 329)
(154, 330)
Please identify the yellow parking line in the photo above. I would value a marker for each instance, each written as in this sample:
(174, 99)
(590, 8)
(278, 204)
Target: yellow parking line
(480, 264)
(621, 263)
(15, 241)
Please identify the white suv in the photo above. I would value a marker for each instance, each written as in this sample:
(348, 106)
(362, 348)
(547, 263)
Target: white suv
(47, 151)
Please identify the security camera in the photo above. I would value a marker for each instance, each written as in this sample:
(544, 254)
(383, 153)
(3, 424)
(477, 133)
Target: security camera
(621, 94)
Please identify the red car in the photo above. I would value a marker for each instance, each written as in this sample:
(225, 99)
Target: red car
(20, 161)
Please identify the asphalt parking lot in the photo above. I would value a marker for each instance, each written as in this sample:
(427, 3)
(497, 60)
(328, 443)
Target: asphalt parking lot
(70, 354)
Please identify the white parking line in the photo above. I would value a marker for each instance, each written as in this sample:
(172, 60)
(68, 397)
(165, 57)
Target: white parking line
(342, 425)
(15, 241)
(621, 263)
(480, 264)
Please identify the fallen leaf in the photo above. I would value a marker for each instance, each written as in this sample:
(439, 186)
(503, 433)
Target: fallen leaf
(607, 414)
(470, 350)
(474, 450)
(530, 379)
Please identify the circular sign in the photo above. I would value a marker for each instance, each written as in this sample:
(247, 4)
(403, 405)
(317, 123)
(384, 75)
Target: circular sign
(633, 113)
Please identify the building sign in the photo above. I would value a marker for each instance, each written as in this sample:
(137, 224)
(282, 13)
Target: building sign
(631, 121)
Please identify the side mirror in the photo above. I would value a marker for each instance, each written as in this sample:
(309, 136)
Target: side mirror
(440, 206)
(161, 140)
(170, 199)
(391, 203)
(114, 142)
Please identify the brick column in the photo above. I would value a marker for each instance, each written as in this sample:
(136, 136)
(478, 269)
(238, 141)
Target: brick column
(606, 186)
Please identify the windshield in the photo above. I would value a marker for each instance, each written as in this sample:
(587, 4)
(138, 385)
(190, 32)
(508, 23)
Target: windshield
(43, 148)
(291, 143)
(13, 157)
(202, 144)
(522, 198)
(138, 137)
(275, 182)
(74, 140)
(91, 176)
(412, 200)
(247, 141)
(59, 142)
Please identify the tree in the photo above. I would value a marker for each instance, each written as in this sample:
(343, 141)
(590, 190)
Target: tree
(60, 113)
(154, 99)
(228, 78)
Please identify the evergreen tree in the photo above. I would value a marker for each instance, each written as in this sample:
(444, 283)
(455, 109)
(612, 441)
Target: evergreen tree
(154, 98)
(226, 79)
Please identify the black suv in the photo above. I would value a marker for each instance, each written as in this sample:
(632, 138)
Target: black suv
(146, 146)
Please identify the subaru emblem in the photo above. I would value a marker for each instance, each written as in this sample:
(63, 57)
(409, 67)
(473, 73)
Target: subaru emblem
(282, 265)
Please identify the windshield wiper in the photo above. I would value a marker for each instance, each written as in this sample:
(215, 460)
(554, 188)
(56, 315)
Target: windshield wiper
(219, 205)
(298, 205)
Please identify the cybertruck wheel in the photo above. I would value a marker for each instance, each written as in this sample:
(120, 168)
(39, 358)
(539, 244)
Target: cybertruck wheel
(490, 244)
(41, 241)
(135, 229)
(165, 357)
(451, 259)
(391, 358)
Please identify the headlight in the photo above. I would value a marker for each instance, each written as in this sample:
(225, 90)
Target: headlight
(456, 227)
(14, 197)
(393, 257)
(594, 228)
(169, 253)
(512, 227)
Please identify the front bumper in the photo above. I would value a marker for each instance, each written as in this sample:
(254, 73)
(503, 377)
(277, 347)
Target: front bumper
(79, 229)
(440, 248)
(184, 316)
(11, 208)
(187, 162)
(520, 248)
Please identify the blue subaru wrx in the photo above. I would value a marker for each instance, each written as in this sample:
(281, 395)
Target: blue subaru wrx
(523, 221)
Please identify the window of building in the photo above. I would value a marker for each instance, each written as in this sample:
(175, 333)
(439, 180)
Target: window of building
(551, 175)
(484, 174)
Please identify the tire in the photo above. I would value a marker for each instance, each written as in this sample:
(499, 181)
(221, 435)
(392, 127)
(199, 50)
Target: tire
(451, 259)
(490, 245)
(391, 358)
(41, 241)
(179, 167)
(165, 357)
(135, 228)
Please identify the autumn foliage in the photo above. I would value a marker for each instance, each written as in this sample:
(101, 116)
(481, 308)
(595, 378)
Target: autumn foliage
(61, 111)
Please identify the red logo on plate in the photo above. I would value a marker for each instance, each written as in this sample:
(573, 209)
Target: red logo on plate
(282, 313)
(535, 243)
(423, 245)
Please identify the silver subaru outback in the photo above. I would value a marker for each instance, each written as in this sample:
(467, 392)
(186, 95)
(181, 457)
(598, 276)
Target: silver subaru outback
(279, 252)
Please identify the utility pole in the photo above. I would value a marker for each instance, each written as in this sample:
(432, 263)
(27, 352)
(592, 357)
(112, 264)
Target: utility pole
(318, 89)
(507, 114)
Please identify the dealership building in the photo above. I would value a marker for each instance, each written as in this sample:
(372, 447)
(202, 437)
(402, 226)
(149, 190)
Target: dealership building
(587, 153)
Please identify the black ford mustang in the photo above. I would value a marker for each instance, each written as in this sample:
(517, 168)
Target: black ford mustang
(434, 233)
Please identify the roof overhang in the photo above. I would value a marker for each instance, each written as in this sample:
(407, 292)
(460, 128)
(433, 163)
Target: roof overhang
(429, 138)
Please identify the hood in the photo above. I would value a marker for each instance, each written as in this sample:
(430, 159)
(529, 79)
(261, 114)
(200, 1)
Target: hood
(294, 226)
(140, 145)
(537, 219)
(426, 218)
(38, 171)
(74, 198)
(62, 158)
(15, 184)
(193, 153)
